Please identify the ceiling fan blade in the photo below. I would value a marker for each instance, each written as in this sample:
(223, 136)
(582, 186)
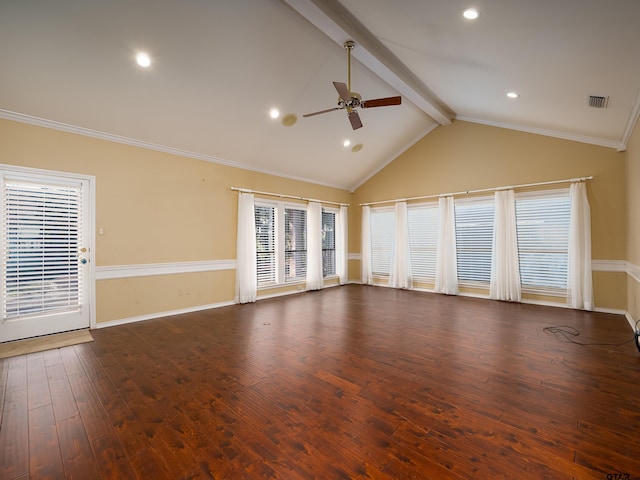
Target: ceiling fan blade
(343, 91)
(354, 118)
(321, 111)
(381, 102)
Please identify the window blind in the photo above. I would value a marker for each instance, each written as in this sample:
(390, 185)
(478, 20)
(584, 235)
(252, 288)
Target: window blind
(543, 239)
(42, 238)
(382, 236)
(295, 252)
(423, 221)
(328, 243)
(265, 244)
(474, 237)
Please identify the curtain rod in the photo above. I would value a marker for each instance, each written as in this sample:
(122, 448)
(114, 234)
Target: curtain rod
(281, 195)
(493, 189)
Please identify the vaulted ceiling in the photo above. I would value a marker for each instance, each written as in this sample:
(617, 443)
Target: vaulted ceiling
(219, 67)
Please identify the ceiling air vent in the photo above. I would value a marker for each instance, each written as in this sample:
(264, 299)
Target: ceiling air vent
(596, 101)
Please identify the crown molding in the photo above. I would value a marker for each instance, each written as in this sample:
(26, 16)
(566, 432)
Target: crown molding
(631, 123)
(601, 142)
(110, 137)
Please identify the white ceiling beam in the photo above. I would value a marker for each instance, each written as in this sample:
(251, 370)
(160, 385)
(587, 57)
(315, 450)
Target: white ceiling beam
(340, 25)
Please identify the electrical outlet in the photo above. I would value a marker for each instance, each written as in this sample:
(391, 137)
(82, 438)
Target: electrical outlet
(180, 292)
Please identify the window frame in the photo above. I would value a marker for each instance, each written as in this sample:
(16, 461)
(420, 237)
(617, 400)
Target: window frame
(280, 208)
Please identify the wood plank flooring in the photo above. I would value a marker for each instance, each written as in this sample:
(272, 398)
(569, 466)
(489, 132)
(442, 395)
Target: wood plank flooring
(349, 382)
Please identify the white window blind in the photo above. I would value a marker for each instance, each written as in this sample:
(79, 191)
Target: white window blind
(328, 243)
(265, 244)
(382, 236)
(543, 239)
(295, 252)
(41, 246)
(474, 238)
(423, 223)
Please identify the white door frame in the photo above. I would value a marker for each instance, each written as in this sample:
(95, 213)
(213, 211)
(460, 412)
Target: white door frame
(91, 197)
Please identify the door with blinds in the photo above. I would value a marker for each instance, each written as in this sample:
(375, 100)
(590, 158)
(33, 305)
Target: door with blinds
(45, 285)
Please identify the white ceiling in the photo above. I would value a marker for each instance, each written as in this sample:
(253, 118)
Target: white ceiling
(219, 66)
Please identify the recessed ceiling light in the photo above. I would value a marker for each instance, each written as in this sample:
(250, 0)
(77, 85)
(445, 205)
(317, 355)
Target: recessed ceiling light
(471, 13)
(513, 95)
(274, 113)
(143, 59)
(356, 148)
(346, 143)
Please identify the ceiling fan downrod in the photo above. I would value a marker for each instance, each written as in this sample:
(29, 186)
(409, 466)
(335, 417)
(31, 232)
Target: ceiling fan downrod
(348, 46)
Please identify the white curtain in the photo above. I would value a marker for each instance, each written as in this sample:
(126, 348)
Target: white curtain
(246, 263)
(314, 246)
(580, 287)
(446, 258)
(505, 267)
(365, 253)
(342, 245)
(400, 275)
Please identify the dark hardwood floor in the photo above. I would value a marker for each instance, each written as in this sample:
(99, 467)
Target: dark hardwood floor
(349, 382)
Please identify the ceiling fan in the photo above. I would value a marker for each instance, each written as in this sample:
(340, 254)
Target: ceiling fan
(349, 100)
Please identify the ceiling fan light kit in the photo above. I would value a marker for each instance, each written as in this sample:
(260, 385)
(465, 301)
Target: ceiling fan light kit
(349, 101)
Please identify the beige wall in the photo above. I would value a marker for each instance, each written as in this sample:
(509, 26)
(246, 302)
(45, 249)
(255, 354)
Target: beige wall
(633, 223)
(161, 208)
(154, 208)
(467, 156)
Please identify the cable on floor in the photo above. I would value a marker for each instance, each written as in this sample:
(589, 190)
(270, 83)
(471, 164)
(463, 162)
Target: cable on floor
(568, 334)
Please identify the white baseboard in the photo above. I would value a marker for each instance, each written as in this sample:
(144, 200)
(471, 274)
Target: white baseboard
(198, 308)
(142, 318)
(278, 294)
(152, 316)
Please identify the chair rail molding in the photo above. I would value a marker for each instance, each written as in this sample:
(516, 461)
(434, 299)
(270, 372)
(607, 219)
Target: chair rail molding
(150, 269)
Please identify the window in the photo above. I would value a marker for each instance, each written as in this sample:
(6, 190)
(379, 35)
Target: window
(543, 220)
(295, 253)
(328, 243)
(281, 243)
(424, 225)
(42, 238)
(382, 236)
(266, 244)
(474, 239)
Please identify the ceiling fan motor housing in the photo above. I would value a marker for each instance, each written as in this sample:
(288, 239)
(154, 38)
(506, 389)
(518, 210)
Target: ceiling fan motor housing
(355, 100)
